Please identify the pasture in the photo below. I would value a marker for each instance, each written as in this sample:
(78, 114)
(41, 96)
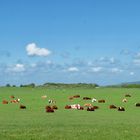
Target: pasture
(33, 123)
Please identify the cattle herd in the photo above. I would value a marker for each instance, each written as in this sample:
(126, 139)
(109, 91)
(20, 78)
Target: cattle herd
(87, 106)
(15, 101)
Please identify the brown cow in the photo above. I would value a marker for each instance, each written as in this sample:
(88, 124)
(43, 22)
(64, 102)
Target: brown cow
(101, 101)
(96, 107)
(50, 110)
(87, 105)
(67, 107)
(4, 102)
(12, 96)
(47, 107)
(76, 96)
(86, 98)
(112, 107)
(15, 101)
(22, 107)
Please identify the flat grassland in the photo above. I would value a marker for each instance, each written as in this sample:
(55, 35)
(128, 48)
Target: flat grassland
(34, 123)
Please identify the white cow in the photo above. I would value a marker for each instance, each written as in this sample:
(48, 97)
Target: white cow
(75, 106)
(94, 100)
(44, 96)
(124, 100)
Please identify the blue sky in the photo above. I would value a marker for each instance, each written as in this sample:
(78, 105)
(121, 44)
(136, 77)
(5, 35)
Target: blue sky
(94, 41)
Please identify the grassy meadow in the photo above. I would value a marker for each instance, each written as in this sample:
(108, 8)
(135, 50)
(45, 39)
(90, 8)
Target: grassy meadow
(34, 123)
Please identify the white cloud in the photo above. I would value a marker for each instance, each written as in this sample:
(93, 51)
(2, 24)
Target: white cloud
(73, 69)
(138, 55)
(16, 68)
(132, 73)
(116, 70)
(33, 65)
(110, 60)
(96, 69)
(136, 61)
(33, 50)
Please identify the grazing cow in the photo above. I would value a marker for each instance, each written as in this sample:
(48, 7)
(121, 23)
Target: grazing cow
(90, 109)
(112, 107)
(137, 104)
(124, 100)
(4, 102)
(76, 96)
(101, 101)
(12, 97)
(67, 107)
(22, 107)
(86, 98)
(44, 96)
(127, 95)
(121, 109)
(94, 100)
(87, 105)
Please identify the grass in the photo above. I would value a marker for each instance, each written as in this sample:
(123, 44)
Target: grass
(35, 124)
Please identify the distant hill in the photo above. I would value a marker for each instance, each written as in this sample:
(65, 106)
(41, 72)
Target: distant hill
(136, 82)
(75, 85)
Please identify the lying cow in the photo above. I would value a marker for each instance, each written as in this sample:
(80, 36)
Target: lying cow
(96, 107)
(4, 102)
(81, 108)
(121, 109)
(86, 98)
(12, 96)
(71, 98)
(101, 101)
(49, 109)
(124, 100)
(67, 107)
(112, 107)
(127, 95)
(22, 107)
(44, 97)
(87, 105)
(90, 109)
(51, 101)
(76, 96)
(94, 100)
(75, 106)
(15, 101)
(137, 104)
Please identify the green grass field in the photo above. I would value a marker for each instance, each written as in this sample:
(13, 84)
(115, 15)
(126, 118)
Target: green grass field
(35, 124)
